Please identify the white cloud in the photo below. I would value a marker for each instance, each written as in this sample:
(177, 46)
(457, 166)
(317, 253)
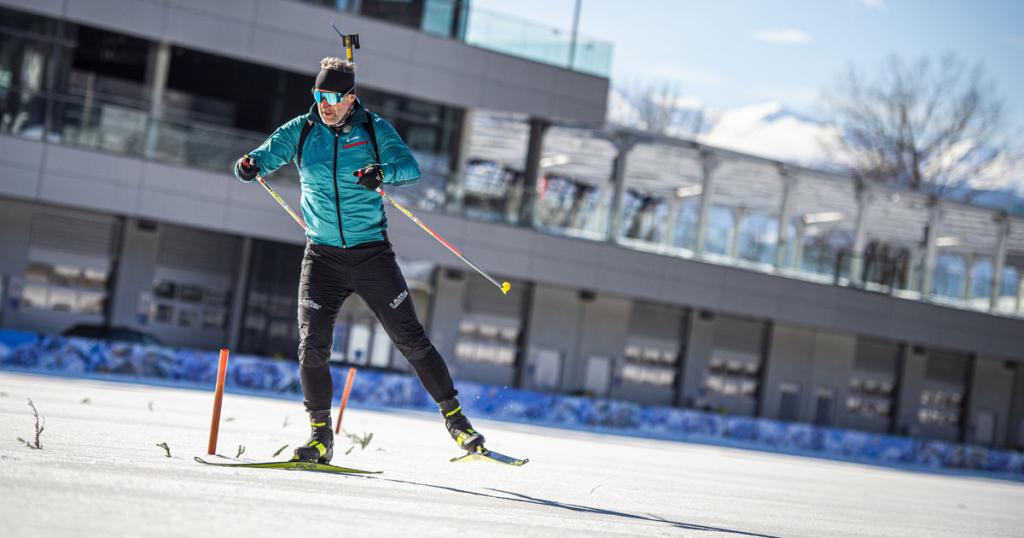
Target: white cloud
(771, 131)
(783, 36)
(874, 4)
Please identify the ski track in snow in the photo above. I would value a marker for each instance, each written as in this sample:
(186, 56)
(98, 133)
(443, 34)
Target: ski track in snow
(100, 473)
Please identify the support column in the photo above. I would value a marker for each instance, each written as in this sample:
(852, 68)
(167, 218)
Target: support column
(708, 163)
(675, 205)
(798, 248)
(930, 250)
(623, 145)
(860, 234)
(789, 185)
(1020, 293)
(999, 260)
(238, 294)
(734, 241)
(157, 71)
(968, 282)
(534, 149)
(456, 185)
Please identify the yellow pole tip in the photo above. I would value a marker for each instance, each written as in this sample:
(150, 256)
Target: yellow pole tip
(505, 286)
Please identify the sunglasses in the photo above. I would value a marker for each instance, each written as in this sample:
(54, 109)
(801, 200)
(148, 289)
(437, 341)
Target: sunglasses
(332, 98)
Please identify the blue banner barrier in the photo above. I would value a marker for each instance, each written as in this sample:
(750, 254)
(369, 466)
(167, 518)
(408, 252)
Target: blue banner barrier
(74, 356)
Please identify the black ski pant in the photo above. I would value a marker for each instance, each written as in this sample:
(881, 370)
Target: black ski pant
(329, 276)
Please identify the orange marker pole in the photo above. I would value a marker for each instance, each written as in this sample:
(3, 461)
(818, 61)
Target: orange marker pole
(218, 397)
(344, 398)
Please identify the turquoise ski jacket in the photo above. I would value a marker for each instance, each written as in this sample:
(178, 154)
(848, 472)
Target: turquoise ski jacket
(338, 211)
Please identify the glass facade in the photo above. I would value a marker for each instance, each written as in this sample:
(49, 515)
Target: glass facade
(458, 19)
(82, 86)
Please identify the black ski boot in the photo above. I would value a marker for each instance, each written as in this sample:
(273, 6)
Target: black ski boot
(459, 427)
(320, 446)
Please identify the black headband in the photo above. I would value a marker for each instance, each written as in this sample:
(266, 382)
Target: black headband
(335, 80)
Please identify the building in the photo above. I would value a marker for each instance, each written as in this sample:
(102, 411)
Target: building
(642, 268)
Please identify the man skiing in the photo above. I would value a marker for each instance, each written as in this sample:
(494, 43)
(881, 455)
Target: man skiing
(344, 153)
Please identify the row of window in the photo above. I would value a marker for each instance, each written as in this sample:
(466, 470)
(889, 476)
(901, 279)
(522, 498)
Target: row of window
(64, 288)
(188, 305)
(870, 398)
(650, 354)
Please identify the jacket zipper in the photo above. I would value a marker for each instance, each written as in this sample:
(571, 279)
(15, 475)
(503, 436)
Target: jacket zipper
(337, 198)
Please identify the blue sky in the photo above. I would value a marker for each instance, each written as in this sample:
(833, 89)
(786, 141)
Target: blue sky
(730, 53)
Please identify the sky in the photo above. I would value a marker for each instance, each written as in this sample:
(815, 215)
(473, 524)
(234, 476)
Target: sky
(734, 53)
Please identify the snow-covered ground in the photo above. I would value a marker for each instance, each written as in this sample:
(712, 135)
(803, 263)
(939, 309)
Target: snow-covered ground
(100, 473)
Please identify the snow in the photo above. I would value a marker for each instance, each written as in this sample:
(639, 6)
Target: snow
(769, 130)
(100, 474)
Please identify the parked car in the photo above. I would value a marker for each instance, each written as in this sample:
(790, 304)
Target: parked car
(114, 333)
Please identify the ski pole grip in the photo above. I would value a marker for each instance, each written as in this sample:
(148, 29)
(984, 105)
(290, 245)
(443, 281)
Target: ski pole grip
(344, 397)
(218, 398)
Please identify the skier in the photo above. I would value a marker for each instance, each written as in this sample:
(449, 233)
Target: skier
(344, 153)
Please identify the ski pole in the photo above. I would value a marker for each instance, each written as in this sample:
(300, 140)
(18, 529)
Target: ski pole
(504, 286)
(281, 201)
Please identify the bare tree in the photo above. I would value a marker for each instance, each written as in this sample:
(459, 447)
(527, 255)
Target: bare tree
(929, 125)
(659, 107)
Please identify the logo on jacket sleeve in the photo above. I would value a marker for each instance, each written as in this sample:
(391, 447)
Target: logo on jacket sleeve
(398, 300)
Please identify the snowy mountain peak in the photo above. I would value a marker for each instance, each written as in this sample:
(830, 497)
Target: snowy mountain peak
(773, 131)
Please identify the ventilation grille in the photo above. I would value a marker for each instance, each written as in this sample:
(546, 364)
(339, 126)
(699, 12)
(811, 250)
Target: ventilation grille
(875, 356)
(947, 367)
(79, 234)
(198, 250)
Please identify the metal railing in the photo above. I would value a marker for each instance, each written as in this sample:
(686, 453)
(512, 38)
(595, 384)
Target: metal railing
(511, 35)
(126, 128)
(495, 194)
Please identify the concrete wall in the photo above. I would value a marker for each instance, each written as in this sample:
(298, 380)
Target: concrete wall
(449, 308)
(1015, 426)
(911, 384)
(553, 326)
(991, 396)
(652, 326)
(814, 362)
(604, 325)
(915, 379)
(135, 281)
(291, 35)
(713, 335)
(15, 230)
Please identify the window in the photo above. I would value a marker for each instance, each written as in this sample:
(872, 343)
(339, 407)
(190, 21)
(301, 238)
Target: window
(648, 375)
(720, 230)
(490, 341)
(870, 397)
(730, 374)
(649, 364)
(64, 288)
(189, 305)
(757, 238)
(939, 408)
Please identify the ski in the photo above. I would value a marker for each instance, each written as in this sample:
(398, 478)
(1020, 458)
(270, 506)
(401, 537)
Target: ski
(292, 466)
(490, 455)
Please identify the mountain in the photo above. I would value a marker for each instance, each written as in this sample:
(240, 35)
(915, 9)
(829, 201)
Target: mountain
(772, 131)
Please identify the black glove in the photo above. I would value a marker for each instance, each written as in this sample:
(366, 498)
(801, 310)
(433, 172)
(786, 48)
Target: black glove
(246, 168)
(370, 177)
